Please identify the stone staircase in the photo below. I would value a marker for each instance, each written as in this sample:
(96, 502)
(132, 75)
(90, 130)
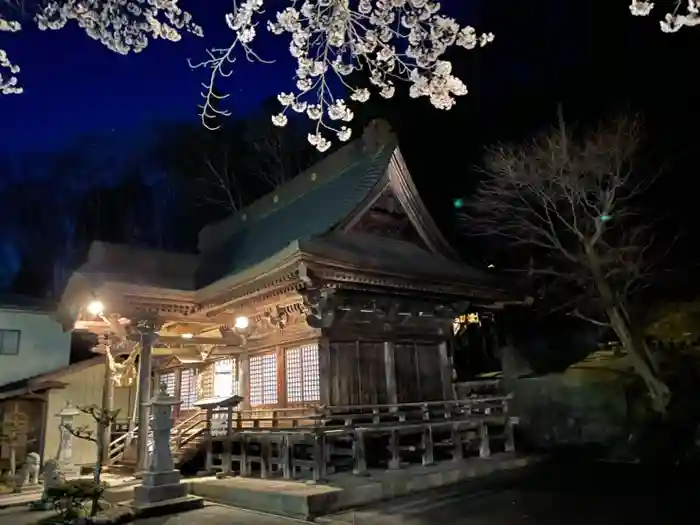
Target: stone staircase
(186, 440)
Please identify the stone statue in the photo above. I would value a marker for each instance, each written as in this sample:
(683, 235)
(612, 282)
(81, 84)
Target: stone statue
(29, 475)
(52, 478)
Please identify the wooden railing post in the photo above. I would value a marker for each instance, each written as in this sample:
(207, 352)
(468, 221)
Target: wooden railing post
(209, 462)
(485, 443)
(286, 452)
(427, 445)
(228, 444)
(319, 456)
(457, 446)
(265, 456)
(395, 460)
(244, 465)
(510, 437)
(359, 453)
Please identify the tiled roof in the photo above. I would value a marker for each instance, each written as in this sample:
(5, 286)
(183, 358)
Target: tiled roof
(370, 252)
(309, 205)
(141, 266)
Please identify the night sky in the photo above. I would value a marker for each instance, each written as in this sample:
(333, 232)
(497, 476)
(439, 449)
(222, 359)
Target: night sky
(588, 55)
(75, 86)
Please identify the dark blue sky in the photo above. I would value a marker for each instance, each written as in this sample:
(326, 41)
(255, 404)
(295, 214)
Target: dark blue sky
(75, 86)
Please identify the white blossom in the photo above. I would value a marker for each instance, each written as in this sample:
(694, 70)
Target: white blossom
(123, 26)
(393, 40)
(683, 14)
(9, 84)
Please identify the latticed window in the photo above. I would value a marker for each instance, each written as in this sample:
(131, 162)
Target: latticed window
(303, 380)
(168, 378)
(188, 388)
(225, 378)
(263, 380)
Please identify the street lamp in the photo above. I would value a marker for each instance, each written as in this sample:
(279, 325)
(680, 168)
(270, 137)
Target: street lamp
(95, 308)
(241, 323)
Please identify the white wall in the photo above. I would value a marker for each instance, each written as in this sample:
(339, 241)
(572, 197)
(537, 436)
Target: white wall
(83, 387)
(44, 347)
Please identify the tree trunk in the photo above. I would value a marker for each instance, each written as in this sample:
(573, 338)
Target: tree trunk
(659, 392)
(97, 478)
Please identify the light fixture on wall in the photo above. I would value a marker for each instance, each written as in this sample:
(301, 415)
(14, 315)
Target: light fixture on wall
(187, 336)
(242, 323)
(95, 307)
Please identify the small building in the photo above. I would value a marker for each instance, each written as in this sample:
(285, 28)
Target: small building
(39, 371)
(337, 289)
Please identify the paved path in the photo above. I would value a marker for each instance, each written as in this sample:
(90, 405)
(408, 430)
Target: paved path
(570, 494)
(566, 494)
(209, 515)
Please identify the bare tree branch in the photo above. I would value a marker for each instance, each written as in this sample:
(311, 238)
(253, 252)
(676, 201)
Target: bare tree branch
(569, 198)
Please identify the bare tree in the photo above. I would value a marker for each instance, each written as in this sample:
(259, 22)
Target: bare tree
(274, 155)
(569, 200)
(219, 179)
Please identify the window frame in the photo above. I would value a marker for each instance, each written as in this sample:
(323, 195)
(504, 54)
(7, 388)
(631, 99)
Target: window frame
(265, 403)
(233, 373)
(3, 332)
(188, 404)
(314, 386)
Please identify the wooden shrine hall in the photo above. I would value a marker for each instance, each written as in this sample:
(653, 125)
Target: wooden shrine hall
(329, 303)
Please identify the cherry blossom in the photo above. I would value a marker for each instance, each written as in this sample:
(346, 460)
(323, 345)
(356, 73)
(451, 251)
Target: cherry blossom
(393, 40)
(124, 26)
(9, 85)
(683, 14)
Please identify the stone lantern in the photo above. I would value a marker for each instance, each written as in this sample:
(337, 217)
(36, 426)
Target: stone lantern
(161, 491)
(65, 449)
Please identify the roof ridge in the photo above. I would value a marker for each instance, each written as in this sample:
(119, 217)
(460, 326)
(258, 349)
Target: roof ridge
(376, 136)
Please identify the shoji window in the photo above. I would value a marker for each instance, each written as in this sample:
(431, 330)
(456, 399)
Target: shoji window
(168, 378)
(188, 388)
(263, 379)
(225, 380)
(303, 379)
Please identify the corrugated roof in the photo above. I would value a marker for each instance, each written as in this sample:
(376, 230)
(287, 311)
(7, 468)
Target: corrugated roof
(308, 205)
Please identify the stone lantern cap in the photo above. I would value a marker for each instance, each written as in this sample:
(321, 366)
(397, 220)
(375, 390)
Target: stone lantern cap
(68, 411)
(162, 398)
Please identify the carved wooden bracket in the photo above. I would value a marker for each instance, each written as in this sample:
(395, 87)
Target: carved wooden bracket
(276, 318)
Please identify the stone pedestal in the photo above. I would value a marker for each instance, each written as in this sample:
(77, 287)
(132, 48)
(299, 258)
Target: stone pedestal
(161, 491)
(65, 448)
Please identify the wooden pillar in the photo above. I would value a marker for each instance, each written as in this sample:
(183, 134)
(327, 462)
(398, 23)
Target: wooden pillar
(448, 391)
(324, 370)
(228, 444)
(209, 461)
(107, 406)
(42, 427)
(484, 441)
(147, 329)
(390, 372)
(359, 453)
(244, 381)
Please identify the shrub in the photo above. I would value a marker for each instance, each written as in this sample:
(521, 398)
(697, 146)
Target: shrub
(70, 500)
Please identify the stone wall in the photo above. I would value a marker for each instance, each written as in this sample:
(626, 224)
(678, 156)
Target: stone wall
(575, 408)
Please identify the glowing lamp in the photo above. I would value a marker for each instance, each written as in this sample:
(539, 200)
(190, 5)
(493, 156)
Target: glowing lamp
(95, 308)
(187, 336)
(241, 323)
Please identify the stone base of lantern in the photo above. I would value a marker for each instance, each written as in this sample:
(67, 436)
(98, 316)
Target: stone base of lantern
(162, 493)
